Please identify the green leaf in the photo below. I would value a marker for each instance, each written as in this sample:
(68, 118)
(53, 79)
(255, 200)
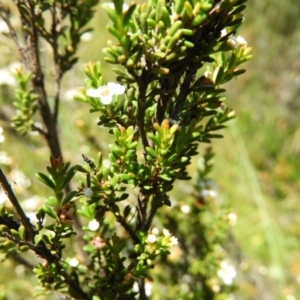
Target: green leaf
(235, 22)
(89, 248)
(218, 75)
(128, 14)
(52, 201)
(46, 180)
(69, 176)
(165, 177)
(126, 211)
(122, 197)
(238, 72)
(86, 211)
(68, 234)
(151, 152)
(15, 234)
(69, 197)
(49, 211)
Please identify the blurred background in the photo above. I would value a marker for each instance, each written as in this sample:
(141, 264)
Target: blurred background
(256, 167)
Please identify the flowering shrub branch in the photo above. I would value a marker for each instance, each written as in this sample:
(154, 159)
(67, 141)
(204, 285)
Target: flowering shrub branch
(173, 58)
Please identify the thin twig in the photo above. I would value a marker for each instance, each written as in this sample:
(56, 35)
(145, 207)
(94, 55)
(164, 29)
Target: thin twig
(155, 205)
(142, 290)
(14, 201)
(12, 32)
(9, 222)
(127, 227)
(49, 119)
(42, 250)
(141, 117)
(58, 71)
(39, 130)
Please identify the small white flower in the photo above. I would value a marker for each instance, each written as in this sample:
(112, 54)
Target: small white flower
(227, 272)
(93, 225)
(174, 240)
(106, 92)
(155, 231)
(185, 209)
(151, 238)
(232, 218)
(241, 41)
(212, 193)
(166, 232)
(88, 193)
(73, 262)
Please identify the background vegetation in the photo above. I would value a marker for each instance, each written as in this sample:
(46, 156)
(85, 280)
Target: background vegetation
(256, 164)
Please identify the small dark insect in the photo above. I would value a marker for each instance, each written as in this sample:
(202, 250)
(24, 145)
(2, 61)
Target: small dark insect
(90, 163)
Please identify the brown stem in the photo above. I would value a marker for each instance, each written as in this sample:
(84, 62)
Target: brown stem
(143, 83)
(31, 59)
(14, 201)
(184, 91)
(142, 290)
(54, 44)
(40, 130)
(154, 207)
(127, 227)
(42, 251)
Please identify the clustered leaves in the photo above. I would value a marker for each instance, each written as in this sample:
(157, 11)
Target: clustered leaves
(173, 57)
(25, 104)
(203, 250)
(68, 21)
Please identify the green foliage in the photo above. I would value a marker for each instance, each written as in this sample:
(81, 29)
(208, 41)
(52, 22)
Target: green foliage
(172, 59)
(25, 104)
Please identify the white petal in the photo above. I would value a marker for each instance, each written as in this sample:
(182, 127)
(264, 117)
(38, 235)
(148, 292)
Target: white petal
(106, 99)
(73, 262)
(166, 232)
(151, 238)
(93, 92)
(116, 89)
(93, 225)
(241, 41)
